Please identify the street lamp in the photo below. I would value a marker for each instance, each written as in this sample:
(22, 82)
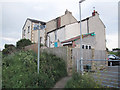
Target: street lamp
(81, 54)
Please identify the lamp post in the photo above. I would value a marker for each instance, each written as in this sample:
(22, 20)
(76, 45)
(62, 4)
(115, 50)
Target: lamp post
(81, 53)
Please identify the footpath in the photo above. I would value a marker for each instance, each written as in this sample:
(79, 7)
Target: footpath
(61, 83)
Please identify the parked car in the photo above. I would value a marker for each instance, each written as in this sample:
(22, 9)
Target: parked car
(113, 57)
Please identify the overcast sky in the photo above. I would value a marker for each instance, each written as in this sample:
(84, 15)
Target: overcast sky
(13, 14)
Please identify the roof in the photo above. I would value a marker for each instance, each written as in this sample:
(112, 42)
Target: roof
(76, 38)
(35, 21)
(91, 17)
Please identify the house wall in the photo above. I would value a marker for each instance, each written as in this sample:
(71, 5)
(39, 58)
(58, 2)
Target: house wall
(69, 31)
(35, 35)
(73, 30)
(52, 39)
(51, 25)
(96, 25)
(27, 35)
(67, 19)
(89, 41)
(60, 36)
(64, 20)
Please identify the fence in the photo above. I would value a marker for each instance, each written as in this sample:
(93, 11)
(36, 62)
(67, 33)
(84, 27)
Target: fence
(88, 54)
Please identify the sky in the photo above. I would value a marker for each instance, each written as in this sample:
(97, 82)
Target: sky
(13, 14)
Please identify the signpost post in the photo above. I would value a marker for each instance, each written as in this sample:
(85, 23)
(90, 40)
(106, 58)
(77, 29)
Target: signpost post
(38, 47)
(39, 27)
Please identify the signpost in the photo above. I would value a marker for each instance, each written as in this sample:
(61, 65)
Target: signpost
(39, 27)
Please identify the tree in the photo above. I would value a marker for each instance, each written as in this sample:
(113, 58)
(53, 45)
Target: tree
(22, 43)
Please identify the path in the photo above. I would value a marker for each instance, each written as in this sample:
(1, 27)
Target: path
(62, 82)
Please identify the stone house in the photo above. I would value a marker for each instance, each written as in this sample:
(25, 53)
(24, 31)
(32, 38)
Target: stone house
(29, 32)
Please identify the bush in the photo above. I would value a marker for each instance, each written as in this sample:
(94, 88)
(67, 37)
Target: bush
(9, 48)
(22, 43)
(81, 81)
(20, 70)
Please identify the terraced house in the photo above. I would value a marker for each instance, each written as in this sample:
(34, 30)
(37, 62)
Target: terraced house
(65, 31)
(68, 34)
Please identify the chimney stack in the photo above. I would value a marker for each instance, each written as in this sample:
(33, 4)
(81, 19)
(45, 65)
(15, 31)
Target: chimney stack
(66, 12)
(93, 13)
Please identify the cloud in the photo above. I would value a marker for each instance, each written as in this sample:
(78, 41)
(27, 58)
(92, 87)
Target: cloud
(112, 41)
(9, 39)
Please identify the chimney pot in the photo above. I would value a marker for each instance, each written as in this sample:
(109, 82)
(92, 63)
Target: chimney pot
(93, 13)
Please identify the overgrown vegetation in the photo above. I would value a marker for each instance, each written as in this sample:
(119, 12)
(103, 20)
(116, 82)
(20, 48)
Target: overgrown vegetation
(82, 81)
(22, 43)
(115, 53)
(9, 48)
(20, 70)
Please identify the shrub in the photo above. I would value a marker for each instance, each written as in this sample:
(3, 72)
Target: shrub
(9, 48)
(22, 43)
(81, 81)
(20, 70)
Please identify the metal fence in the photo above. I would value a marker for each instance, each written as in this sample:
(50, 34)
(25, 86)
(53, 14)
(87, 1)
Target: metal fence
(103, 72)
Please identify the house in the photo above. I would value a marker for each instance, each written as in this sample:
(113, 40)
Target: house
(93, 24)
(88, 41)
(60, 21)
(29, 32)
(65, 28)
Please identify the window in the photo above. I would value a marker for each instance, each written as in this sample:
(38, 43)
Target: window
(86, 47)
(89, 47)
(24, 32)
(28, 29)
(82, 46)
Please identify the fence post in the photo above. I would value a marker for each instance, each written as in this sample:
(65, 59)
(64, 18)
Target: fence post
(93, 57)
